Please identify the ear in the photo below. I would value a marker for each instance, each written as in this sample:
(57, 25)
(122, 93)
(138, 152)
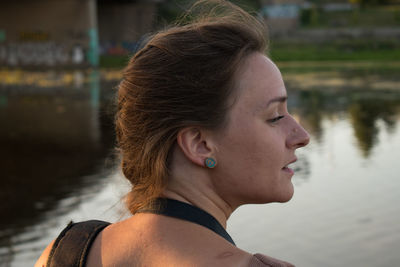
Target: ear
(195, 145)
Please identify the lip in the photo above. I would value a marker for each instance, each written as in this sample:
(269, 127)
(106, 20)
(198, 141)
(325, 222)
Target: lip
(287, 169)
(290, 162)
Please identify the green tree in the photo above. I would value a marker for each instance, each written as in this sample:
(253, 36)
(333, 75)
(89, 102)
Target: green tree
(364, 3)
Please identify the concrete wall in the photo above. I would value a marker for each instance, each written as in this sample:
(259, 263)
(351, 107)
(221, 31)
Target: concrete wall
(125, 22)
(48, 33)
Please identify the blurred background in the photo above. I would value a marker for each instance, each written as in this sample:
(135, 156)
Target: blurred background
(60, 64)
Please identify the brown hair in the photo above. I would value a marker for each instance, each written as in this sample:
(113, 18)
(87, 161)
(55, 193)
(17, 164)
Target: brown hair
(183, 76)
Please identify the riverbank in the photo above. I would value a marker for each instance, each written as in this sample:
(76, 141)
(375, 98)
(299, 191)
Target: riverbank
(304, 75)
(344, 50)
(289, 51)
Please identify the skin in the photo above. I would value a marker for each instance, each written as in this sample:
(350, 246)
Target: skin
(252, 151)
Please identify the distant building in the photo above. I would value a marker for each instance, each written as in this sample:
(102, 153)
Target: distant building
(281, 16)
(344, 6)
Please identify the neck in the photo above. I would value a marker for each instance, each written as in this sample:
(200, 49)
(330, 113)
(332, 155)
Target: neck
(200, 195)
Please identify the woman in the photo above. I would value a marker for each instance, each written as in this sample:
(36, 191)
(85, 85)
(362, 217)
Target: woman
(203, 127)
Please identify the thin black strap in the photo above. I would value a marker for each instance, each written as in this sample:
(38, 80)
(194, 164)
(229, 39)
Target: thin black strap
(72, 246)
(184, 211)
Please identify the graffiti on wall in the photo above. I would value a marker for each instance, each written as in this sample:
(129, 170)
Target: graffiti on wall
(34, 36)
(43, 53)
(118, 48)
(36, 48)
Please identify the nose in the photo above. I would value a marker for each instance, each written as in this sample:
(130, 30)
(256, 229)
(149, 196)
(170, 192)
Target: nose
(298, 136)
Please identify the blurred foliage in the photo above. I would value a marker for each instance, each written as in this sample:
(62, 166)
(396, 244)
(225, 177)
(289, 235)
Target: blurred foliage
(112, 61)
(368, 16)
(361, 2)
(340, 50)
(170, 10)
(350, 49)
(281, 51)
(364, 3)
(309, 16)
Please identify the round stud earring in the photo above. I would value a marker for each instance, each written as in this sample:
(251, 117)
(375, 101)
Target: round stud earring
(210, 163)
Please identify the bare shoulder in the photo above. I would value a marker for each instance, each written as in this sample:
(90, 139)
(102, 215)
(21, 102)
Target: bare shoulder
(230, 257)
(240, 258)
(42, 261)
(260, 260)
(156, 240)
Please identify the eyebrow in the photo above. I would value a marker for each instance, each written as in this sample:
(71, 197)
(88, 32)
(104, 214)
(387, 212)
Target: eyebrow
(280, 99)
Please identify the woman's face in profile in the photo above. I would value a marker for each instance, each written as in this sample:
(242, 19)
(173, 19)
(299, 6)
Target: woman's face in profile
(260, 139)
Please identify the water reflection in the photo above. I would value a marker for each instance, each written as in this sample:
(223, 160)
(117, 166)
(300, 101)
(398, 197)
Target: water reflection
(365, 113)
(55, 140)
(312, 103)
(52, 141)
(365, 110)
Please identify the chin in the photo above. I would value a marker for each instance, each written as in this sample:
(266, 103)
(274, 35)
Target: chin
(283, 195)
(265, 199)
(286, 196)
(285, 199)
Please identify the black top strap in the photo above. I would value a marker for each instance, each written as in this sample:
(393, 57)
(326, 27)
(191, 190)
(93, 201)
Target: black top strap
(72, 245)
(186, 212)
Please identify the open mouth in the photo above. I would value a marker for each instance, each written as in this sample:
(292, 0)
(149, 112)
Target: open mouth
(288, 169)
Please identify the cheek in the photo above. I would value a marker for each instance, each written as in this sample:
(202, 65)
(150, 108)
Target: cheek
(251, 162)
(254, 150)
(242, 142)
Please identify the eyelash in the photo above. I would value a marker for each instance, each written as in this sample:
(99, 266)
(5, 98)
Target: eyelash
(276, 119)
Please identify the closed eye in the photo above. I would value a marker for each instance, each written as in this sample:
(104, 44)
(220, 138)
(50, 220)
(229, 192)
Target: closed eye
(276, 119)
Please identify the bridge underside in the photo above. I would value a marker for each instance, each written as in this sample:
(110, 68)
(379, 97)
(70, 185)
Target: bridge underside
(52, 33)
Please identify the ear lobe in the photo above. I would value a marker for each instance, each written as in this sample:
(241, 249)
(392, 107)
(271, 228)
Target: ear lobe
(194, 145)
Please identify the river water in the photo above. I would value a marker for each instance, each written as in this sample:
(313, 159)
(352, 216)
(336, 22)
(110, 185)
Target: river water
(58, 164)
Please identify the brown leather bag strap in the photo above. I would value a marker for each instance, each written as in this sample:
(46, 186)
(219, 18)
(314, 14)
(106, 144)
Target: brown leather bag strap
(72, 245)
